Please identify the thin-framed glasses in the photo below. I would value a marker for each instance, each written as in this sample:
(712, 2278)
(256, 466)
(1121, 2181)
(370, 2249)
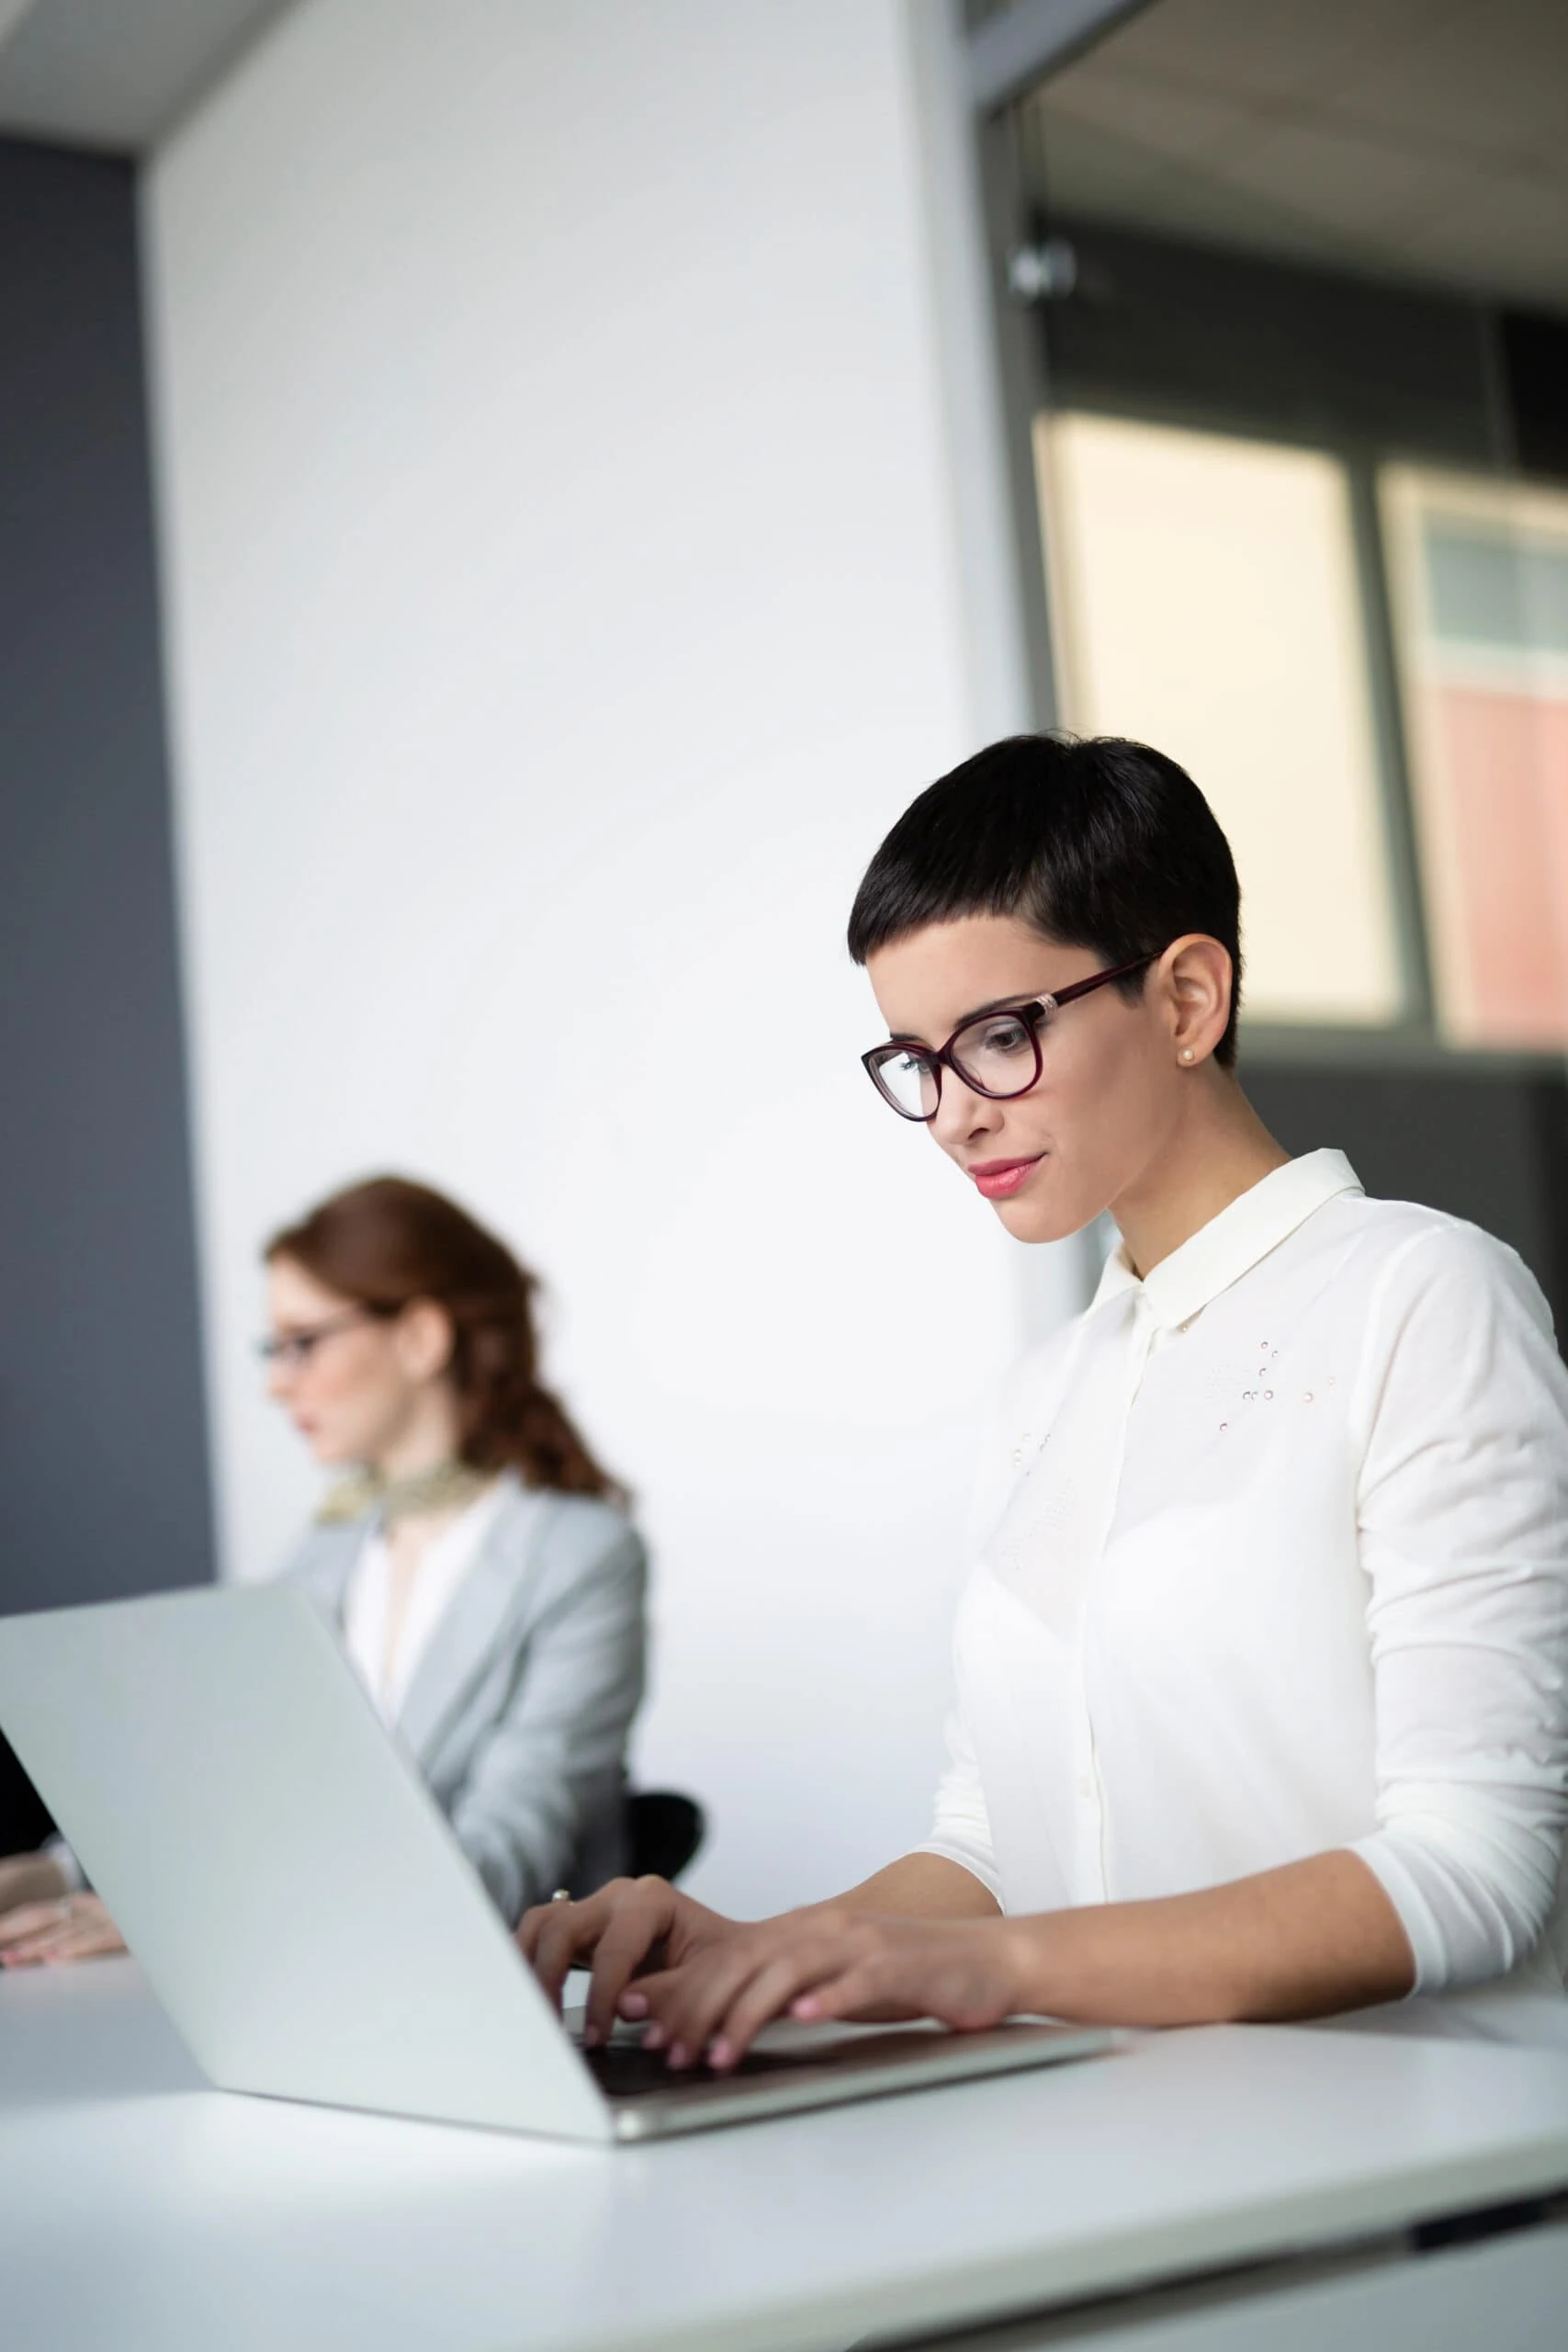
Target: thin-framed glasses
(291, 1350)
(996, 1053)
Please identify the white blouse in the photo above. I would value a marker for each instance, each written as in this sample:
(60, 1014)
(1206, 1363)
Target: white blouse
(445, 1562)
(1274, 1560)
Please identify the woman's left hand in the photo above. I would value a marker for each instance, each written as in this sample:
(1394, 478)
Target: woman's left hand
(827, 1963)
(75, 1927)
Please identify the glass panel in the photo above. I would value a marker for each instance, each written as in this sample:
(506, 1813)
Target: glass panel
(1479, 572)
(1206, 601)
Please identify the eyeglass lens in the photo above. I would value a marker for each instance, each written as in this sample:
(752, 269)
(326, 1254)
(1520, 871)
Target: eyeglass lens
(294, 1349)
(997, 1055)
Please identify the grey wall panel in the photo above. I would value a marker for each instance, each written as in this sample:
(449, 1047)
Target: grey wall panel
(103, 1472)
(1169, 328)
(1486, 1143)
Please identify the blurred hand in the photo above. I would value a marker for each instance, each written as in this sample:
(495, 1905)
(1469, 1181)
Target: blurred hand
(832, 1964)
(29, 1878)
(72, 1926)
(631, 1924)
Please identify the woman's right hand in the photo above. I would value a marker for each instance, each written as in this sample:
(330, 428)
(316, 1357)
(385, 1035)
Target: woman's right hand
(29, 1878)
(72, 1926)
(628, 1927)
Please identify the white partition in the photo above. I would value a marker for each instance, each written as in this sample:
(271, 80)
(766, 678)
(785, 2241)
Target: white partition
(558, 550)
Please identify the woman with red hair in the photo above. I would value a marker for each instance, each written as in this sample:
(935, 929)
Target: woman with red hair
(474, 1558)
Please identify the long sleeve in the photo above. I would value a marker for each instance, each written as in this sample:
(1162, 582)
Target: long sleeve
(56, 1850)
(554, 1757)
(1462, 1507)
(960, 1832)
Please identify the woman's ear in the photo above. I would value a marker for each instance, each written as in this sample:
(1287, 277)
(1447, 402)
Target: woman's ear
(1198, 977)
(422, 1335)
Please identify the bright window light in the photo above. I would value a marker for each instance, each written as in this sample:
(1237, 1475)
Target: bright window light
(1205, 597)
(1479, 571)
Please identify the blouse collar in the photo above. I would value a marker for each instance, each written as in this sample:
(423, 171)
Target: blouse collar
(1231, 1244)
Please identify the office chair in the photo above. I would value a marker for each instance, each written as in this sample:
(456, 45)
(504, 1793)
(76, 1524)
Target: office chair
(24, 1818)
(664, 1831)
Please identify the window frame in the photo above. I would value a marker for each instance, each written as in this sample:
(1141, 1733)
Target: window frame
(1414, 1042)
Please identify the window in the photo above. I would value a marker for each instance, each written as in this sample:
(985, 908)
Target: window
(1206, 599)
(1479, 582)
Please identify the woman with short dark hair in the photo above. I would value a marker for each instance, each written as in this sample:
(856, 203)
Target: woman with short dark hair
(476, 1561)
(1262, 1666)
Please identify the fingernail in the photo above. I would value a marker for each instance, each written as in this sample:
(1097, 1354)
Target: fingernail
(679, 2055)
(590, 2037)
(654, 2037)
(720, 2054)
(634, 2004)
(806, 2007)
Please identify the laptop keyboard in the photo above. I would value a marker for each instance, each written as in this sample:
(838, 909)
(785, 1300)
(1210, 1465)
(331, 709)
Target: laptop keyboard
(625, 2070)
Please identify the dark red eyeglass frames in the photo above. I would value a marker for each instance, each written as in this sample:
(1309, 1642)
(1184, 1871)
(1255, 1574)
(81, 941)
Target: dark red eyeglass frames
(1031, 1010)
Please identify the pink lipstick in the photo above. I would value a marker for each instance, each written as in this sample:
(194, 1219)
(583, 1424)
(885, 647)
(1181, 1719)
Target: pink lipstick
(998, 1178)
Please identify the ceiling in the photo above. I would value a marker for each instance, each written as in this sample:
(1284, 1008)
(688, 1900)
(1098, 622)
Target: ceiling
(116, 74)
(1406, 139)
(1412, 139)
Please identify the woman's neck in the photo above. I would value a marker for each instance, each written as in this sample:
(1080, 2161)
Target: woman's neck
(428, 1437)
(1218, 1150)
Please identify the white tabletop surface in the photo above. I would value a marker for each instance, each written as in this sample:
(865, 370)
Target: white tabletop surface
(143, 2211)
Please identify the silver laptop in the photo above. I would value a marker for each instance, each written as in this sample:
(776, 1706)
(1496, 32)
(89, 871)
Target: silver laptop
(306, 1918)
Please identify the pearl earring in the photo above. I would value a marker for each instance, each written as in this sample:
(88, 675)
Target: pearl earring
(1186, 1053)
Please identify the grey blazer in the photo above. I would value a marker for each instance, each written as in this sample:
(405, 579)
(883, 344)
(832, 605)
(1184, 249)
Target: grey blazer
(518, 1713)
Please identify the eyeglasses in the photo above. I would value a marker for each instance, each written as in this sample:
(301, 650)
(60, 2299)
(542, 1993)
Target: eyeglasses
(997, 1054)
(291, 1350)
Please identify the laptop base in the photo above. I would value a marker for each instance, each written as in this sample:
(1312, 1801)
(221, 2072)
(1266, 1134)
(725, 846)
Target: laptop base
(794, 2067)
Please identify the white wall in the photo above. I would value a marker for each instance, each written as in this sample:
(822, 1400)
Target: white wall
(559, 554)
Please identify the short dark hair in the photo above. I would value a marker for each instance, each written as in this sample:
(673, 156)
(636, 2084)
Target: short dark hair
(1097, 842)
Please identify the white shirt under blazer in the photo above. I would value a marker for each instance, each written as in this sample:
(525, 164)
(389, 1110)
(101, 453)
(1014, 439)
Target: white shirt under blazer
(1273, 1560)
(386, 1670)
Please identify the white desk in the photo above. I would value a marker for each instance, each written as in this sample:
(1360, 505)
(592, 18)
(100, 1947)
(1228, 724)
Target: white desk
(141, 2211)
